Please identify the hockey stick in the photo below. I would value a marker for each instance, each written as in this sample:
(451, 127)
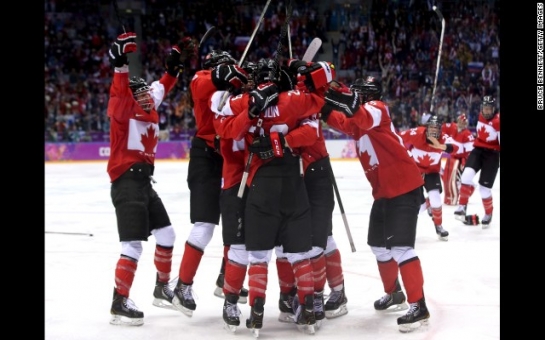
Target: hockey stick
(341, 208)
(211, 31)
(440, 15)
(312, 49)
(283, 32)
(116, 10)
(67, 233)
(241, 61)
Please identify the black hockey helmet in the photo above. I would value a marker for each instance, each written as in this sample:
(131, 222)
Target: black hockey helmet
(217, 57)
(488, 107)
(368, 89)
(141, 90)
(433, 127)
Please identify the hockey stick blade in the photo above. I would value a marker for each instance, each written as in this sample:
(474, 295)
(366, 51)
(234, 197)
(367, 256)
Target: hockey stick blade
(312, 49)
(68, 233)
(211, 31)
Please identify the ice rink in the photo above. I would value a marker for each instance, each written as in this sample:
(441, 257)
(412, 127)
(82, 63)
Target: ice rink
(462, 275)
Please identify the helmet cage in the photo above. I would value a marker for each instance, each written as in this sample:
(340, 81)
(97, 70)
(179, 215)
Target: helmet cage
(488, 107)
(433, 127)
(141, 93)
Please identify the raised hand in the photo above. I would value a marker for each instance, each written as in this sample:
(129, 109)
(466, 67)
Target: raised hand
(125, 43)
(229, 77)
(340, 99)
(261, 98)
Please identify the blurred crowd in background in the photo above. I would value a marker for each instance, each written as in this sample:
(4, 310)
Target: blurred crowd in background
(397, 41)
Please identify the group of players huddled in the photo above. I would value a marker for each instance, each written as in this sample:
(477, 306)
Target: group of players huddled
(259, 160)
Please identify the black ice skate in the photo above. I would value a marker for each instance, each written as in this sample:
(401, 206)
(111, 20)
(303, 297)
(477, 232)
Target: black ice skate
(163, 295)
(125, 312)
(485, 223)
(231, 313)
(183, 299)
(442, 234)
(285, 304)
(460, 213)
(336, 304)
(243, 296)
(304, 316)
(417, 316)
(255, 322)
(396, 300)
(319, 313)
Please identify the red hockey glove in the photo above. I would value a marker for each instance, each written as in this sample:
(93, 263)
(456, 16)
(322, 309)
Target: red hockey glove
(316, 76)
(229, 77)
(125, 43)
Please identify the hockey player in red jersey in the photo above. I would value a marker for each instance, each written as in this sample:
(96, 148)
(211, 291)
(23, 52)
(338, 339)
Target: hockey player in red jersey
(132, 109)
(485, 157)
(397, 191)
(204, 169)
(314, 77)
(427, 151)
(274, 175)
(455, 133)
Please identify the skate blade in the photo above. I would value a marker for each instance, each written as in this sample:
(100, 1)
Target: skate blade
(307, 329)
(286, 317)
(162, 304)
(485, 226)
(318, 324)
(230, 328)
(331, 314)
(394, 308)
(442, 238)
(255, 332)
(219, 292)
(421, 325)
(176, 303)
(120, 320)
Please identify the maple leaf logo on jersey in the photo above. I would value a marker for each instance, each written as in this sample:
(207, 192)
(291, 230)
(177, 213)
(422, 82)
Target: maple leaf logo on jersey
(364, 157)
(483, 133)
(149, 140)
(425, 160)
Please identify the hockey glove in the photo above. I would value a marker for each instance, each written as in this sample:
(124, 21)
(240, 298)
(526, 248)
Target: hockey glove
(472, 220)
(316, 76)
(262, 97)
(173, 63)
(229, 77)
(342, 99)
(266, 147)
(125, 43)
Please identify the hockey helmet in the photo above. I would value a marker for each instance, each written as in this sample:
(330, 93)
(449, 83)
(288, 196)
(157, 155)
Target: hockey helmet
(141, 92)
(488, 107)
(433, 127)
(217, 57)
(368, 89)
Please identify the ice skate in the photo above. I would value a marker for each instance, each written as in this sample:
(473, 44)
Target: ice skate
(242, 297)
(304, 316)
(336, 304)
(319, 313)
(417, 316)
(396, 300)
(183, 299)
(285, 304)
(163, 295)
(442, 234)
(231, 313)
(255, 322)
(124, 311)
(485, 222)
(460, 213)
